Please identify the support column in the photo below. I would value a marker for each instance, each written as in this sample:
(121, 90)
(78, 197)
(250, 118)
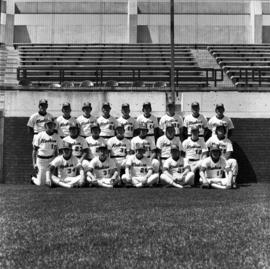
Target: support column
(256, 21)
(132, 21)
(1, 147)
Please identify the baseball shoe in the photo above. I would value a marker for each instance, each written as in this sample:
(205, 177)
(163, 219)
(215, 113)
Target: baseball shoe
(234, 186)
(32, 181)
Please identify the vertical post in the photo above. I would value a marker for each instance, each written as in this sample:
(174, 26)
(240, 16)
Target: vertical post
(1, 147)
(172, 51)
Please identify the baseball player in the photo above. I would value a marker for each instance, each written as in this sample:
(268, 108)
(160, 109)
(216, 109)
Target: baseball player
(139, 170)
(195, 149)
(172, 118)
(63, 122)
(150, 121)
(165, 142)
(226, 148)
(195, 119)
(45, 147)
(127, 121)
(86, 120)
(106, 122)
(220, 119)
(176, 170)
(143, 140)
(215, 171)
(78, 143)
(119, 148)
(102, 170)
(36, 122)
(70, 172)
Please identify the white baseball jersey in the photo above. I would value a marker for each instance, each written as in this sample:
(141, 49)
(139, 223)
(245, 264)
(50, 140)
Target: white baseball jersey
(47, 144)
(224, 144)
(102, 169)
(78, 145)
(37, 121)
(200, 122)
(138, 168)
(175, 167)
(66, 168)
(175, 120)
(214, 170)
(164, 145)
(129, 126)
(63, 125)
(194, 149)
(93, 145)
(147, 143)
(225, 121)
(107, 126)
(85, 124)
(151, 123)
(118, 148)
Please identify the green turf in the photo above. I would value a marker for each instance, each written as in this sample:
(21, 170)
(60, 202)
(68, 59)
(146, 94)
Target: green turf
(134, 228)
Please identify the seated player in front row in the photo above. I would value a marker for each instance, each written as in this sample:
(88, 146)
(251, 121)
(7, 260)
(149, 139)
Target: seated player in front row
(102, 170)
(176, 170)
(139, 170)
(70, 172)
(215, 171)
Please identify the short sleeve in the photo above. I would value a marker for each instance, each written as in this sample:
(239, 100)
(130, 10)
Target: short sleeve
(36, 141)
(159, 143)
(30, 122)
(229, 146)
(230, 124)
(56, 162)
(204, 122)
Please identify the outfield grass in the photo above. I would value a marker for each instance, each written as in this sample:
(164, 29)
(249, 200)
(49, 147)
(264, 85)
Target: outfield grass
(134, 228)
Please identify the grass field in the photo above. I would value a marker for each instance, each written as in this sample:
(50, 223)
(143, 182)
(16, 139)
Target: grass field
(134, 228)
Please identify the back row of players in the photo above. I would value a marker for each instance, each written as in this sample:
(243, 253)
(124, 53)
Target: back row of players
(109, 152)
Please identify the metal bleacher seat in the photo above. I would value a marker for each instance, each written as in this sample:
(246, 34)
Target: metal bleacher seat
(86, 84)
(67, 84)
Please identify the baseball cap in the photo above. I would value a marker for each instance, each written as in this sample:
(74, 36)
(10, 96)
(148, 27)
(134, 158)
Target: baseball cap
(43, 101)
(102, 146)
(169, 125)
(140, 146)
(143, 126)
(95, 125)
(145, 104)
(220, 105)
(49, 121)
(86, 104)
(66, 104)
(194, 128)
(174, 147)
(170, 104)
(215, 147)
(195, 104)
(119, 126)
(73, 125)
(66, 145)
(106, 104)
(125, 105)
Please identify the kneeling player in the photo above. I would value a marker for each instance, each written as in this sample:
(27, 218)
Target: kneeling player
(102, 170)
(213, 170)
(176, 170)
(70, 172)
(139, 170)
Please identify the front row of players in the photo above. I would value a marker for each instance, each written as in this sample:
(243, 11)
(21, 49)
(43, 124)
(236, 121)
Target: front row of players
(96, 162)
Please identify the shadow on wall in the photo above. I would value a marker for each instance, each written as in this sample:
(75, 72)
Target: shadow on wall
(21, 34)
(246, 171)
(143, 34)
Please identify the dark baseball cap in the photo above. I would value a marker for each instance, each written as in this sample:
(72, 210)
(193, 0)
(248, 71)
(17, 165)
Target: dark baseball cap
(194, 128)
(66, 104)
(73, 125)
(215, 147)
(170, 104)
(220, 105)
(66, 145)
(125, 105)
(106, 104)
(119, 126)
(195, 104)
(43, 101)
(174, 147)
(169, 125)
(86, 104)
(145, 104)
(50, 120)
(95, 125)
(143, 126)
(103, 146)
(140, 147)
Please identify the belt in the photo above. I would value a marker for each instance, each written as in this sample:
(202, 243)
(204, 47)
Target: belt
(199, 135)
(118, 156)
(150, 135)
(106, 137)
(128, 137)
(62, 137)
(44, 157)
(193, 160)
(84, 136)
(35, 133)
(164, 158)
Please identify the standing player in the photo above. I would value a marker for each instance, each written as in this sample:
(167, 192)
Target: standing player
(86, 120)
(139, 170)
(102, 171)
(127, 121)
(176, 170)
(63, 122)
(70, 172)
(119, 148)
(145, 141)
(215, 171)
(220, 119)
(45, 148)
(195, 149)
(172, 118)
(226, 148)
(165, 142)
(78, 143)
(195, 119)
(36, 122)
(150, 121)
(107, 123)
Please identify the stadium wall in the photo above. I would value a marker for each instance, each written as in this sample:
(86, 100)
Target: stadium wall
(250, 138)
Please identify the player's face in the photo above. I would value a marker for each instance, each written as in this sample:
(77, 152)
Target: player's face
(170, 132)
(140, 153)
(143, 133)
(74, 132)
(120, 133)
(66, 111)
(219, 112)
(171, 110)
(195, 111)
(215, 154)
(67, 153)
(43, 108)
(103, 154)
(106, 111)
(147, 111)
(50, 127)
(95, 132)
(87, 111)
(175, 154)
(125, 111)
